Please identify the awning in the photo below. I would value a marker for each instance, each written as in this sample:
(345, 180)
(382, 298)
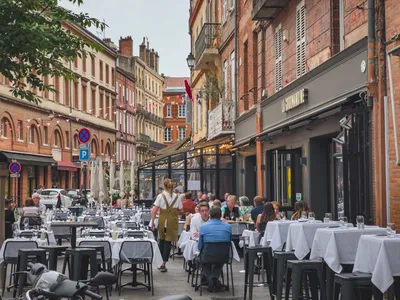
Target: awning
(66, 165)
(29, 158)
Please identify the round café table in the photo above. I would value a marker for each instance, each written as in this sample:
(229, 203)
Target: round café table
(74, 226)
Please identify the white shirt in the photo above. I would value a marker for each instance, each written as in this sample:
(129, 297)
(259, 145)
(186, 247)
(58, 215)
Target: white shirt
(195, 223)
(160, 202)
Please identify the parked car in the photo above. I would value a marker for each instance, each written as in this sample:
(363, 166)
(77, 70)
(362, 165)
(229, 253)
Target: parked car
(56, 197)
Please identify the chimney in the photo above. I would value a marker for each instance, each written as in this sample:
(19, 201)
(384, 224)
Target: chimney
(142, 48)
(152, 59)
(126, 46)
(156, 62)
(148, 55)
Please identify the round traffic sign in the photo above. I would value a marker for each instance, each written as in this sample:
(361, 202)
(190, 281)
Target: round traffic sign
(84, 135)
(15, 167)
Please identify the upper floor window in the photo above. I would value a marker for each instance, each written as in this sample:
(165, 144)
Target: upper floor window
(46, 135)
(93, 66)
(182, 133)
(107, 74)
(301, 63)
(32, 134)
(101, 70)
(168, 113)
(20, 131)
(167, 134)
(182, 111)
(278, 58)
(4, 127)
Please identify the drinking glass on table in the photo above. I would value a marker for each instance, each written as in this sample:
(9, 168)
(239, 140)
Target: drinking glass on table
(232, 215)
(360, 222)
(26, 224)
(311, 216)
(328, 217)
(282, 216)
(343, 222)
(303, 215)
(145, 234)
(35, 231)
(391, 230)
(16, 230)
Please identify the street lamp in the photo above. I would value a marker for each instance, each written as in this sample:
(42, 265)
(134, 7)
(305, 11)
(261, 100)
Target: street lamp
(190, 61)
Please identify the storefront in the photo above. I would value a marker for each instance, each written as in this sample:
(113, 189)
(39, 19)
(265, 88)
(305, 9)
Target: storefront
(316, 139)
(206, 167)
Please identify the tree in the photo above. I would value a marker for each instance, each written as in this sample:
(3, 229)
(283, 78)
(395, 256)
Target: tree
(34, 43)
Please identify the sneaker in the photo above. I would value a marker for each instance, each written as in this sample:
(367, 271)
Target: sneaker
(211, 284)
(217, 286)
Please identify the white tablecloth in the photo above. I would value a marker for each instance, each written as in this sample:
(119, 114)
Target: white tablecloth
(184, 238)
(300, 237)
(253, 238)
(276, 233)
(339, 246)
(3, 247)
(379, 255)
(191, 251)
(116, 247)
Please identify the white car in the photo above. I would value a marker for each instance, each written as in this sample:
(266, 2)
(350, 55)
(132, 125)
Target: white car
(50, 197)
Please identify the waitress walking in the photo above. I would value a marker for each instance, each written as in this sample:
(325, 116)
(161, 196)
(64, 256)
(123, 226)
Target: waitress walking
(170, 205)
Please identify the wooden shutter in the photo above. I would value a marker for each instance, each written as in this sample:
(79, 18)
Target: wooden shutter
(278, 58)
(301, 40)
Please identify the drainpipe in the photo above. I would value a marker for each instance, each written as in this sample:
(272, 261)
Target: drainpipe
(236, 59)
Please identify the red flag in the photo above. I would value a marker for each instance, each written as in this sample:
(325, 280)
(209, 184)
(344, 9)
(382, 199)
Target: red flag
(188, 90)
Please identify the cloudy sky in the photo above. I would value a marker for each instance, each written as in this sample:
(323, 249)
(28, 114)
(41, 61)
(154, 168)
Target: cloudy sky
(164, 22)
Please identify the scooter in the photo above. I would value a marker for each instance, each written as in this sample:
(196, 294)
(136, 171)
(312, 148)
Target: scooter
(51, 285)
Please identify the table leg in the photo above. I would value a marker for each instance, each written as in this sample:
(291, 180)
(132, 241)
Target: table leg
(53, 260)
(329, 283)
(73, 237)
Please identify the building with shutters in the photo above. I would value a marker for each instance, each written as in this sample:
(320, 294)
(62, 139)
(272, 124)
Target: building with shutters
(177, 110)
(303, 128)
(44, 137)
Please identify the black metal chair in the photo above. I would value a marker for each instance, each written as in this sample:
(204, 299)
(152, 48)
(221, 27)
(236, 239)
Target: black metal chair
(279, 267)
(215, 253)
(136, 253)
(96, 219)
(349, 284)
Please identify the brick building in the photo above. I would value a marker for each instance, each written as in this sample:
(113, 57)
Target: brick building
(176, 109)
(44, 137)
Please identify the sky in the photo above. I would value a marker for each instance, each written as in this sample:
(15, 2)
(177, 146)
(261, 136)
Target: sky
(164, 22)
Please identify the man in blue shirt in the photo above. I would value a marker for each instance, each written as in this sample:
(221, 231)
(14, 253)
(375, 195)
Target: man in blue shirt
(214, 230)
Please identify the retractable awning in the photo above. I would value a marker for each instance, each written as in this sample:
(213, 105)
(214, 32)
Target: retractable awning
(29, 158)
(66, 165)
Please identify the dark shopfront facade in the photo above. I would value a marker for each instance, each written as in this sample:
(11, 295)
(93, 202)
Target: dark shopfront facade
(207, 167)
(316, 139)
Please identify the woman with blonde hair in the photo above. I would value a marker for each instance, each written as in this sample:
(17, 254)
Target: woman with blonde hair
(169, 205)
(299, 207)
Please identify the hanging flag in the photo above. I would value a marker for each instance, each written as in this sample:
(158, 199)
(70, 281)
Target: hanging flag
(188, 90)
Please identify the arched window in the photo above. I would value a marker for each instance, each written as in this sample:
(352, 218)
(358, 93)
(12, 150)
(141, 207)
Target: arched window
(57, 139)
(32, 134)
(4, 127)
(76, 142)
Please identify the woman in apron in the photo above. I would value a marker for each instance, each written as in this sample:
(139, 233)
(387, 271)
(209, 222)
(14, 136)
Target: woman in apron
(170, 205)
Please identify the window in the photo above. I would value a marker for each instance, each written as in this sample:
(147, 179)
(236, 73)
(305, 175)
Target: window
(31, 135)
(182, 111)
(224, 10)
(83, 62)
(101, 106)
(76, 95)
(168, 111)
(182, 133)
(4, 128)
(233, 82)
(107, 114)
(57, 139)
(301, 40)
(57, 88)
(201, 115)
(167, 134)
(101, 70)
(93, 66)
(76, 61)
(278, 58)
(46, 135)
(67, 139)
(225, 78)
(66, 91)
(112, 76)
(93, 107)
(20, 131)
(84, 98)
(246, 74)
(107, 74)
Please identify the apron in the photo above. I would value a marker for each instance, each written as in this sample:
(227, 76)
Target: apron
(169, 215)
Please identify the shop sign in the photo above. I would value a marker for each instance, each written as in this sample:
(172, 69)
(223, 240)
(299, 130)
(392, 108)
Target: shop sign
(294, 100)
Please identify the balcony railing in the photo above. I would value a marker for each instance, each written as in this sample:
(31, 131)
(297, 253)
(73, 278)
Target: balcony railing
(141, 110)
(156, 120)
(267, 9)
(220, 120)
(143, 139)
(208, 41)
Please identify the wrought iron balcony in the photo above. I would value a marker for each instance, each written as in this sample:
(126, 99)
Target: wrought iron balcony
(141, 110)
(220, 120)
(156, 120)
(267, 9)
(206, 46)
(143, 140)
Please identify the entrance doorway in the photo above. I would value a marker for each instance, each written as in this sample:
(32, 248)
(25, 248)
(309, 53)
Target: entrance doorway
(284, 177)
(251, 177)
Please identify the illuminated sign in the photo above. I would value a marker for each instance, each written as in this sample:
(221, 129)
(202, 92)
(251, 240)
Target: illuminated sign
(294, 100)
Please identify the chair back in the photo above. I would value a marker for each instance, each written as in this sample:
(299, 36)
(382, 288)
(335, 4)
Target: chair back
(136, 251)
(238, 228)
(12, 247)
(136, 234)
(96, 219)
(106, 245)
(98, 234)
(129, 225)
(61, 216)
(61, 231)
(216, 252)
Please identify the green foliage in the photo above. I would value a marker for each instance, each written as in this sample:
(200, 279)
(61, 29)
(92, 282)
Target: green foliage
(35, 43)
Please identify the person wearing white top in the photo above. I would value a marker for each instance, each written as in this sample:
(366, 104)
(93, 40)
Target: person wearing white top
(169, 204)
(197, 221)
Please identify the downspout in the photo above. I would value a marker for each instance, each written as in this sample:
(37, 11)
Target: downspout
(236, 59)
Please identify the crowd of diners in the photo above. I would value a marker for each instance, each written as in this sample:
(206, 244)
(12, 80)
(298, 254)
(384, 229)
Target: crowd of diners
(207, 219)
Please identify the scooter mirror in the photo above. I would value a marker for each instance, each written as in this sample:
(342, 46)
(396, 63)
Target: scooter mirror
(104, 278)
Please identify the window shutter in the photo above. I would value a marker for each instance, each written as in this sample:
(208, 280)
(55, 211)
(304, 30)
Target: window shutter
(224, 10)
(301, 40)
(278, 58)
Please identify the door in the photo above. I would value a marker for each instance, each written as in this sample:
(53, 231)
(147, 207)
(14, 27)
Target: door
(251, 177)
(287, 177)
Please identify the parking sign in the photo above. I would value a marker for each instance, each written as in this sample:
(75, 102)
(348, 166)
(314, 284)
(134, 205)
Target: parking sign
(84, 154)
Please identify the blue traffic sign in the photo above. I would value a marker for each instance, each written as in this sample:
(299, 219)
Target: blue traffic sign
(84, 154)
(14, 167)
(84, 135)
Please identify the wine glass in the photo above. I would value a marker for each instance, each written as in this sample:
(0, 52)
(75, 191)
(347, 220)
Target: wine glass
(360, 222)
(343, 222)
(311, 216)
(303, 215)
(16, 230)
(145, 235)
(391, 230)
(26, 224)
(327, 218)
(35, 231)
(232, 215)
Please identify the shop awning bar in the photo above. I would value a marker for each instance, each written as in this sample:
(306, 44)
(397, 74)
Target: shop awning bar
(29, 159)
